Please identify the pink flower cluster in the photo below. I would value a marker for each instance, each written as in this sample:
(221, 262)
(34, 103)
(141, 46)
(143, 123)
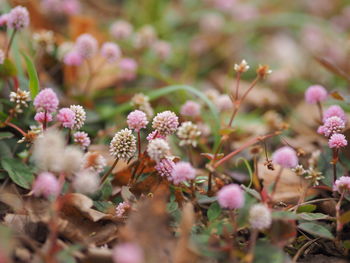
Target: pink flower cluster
(342, 184)
(46, 101)
(18, 18)
(231, 196)
(334, 120)
(82, 138)
(46, 184)
(137, 120)
(191, 109)
(182, 171)
(66, 117)
(315, 94)
(128, 253)
(285, 157)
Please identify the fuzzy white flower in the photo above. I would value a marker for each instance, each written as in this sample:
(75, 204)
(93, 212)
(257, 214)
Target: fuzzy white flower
(188, 133)
(260, 216)
(86, 182)
(72, 159)
(158, 149)
(123, 145)
(242, 67)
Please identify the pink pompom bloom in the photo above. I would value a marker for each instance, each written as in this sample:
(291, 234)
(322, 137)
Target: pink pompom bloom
(337, 141)
(86, 46)
(162, 49)
(231, 196)
(73, 58)
(46, 184)
(285, 157)
(182, 171)
(71, 7)
(331, 125)
(3, 19)
(66, 116)
(137, 120)
(191, 108)
(165, 122)
(18, 18)
(46, 100)
(342, 184)
(128, 68)
(315, 94)
(122, 209)
(42, 117)
(82, 138)
(334, 111)
(111, 52)
(127, 253)
(165, 168)
(155, 135)
(121, 30)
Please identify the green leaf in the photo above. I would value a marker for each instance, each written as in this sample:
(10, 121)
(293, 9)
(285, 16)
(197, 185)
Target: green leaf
(19, 173)
(313, 216)
(265, 252)
(284, 215)
(7, 69)
(214, 211)
(33, 76)
(345, 217)
(316, 230)
(102, 206)
(306, 208)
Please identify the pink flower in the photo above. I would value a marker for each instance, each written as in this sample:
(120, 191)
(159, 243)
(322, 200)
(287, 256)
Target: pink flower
(191, 108)
(231, 196)
(182, 171)
(337, 141)
(41, 116)
(46, 100)
(331, 125)
(137, 120)
(285, 157)
(342, 184)
(86, 46)
(110, 51)
(71, 7)
(165, 122)
(162, 49)
(82, 138)
(66, 117)
(315, 93)
(121, 209)
(73, 58)
(121, 30)
(223, 102)
(165, 168)
(18, 18)
(332, 111)
(155, 135)
(3, 19)
(128, 68)
(46, 184)
(127, 253)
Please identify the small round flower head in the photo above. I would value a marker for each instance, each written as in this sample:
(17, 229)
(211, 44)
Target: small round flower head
(241, 67)
(128, 68)
(165, 168)
(315, 94)
(162, 49)
(47, 185)
(86, 46)
(188, 133)
(121, 30)
(41, 117)
(165, 122)
(342, 184)
(158, 149)
(72, 159)
(334, 111)
(111, 52)
(79, 116)
(82, 138)
(73, 58)
(145, 37)
(121, 209)
(137, 120)
(48, 149)
(86, 182)
(155, 135)
(127, 253)
(337, 141)
(2, 56)
(123, 145)
(20, 97)
(3, 19)
(182, 171)
(260, 217)
(94, 161)
(18, 18)
(331, 125)
(141, 102)
(46, 100)
(66, 117)
(71, 7)
(191, 109)
(231, 196)
(285, 157)
(263, 71)
(223, 103)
